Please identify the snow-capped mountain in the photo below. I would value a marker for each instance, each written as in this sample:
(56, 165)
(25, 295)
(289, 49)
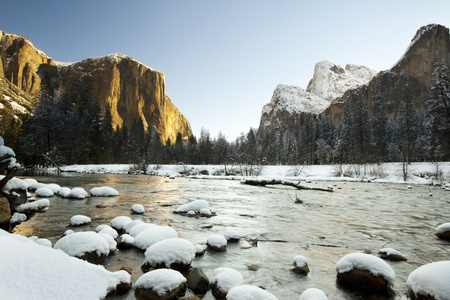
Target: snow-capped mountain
(329, 82)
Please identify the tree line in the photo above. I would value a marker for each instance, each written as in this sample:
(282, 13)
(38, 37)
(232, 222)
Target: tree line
(71, 128)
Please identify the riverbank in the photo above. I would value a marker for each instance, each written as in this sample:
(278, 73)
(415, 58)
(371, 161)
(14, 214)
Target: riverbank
(417, 172)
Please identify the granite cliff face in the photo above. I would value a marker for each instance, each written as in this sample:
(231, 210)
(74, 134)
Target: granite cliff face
(132, 91)
(413, 72)
(291, 105)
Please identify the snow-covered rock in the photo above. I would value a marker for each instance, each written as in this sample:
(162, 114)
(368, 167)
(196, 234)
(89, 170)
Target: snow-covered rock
(45, 273)
(223, 280)
(173, 253)
(125, 241)
(300, 265)
(199, 250)
(313, 294)
(160, 284)
(443, 231)
(78, 193)
(331, 80)
(17, 218)
(366, 271)
(108, 230)
(53, 187)
(217, 242)
(104, 191)
(30, 181)
(232, 235)
(64, 192)
(137, 209)
(249, 292)
(110, 240)
(430, 280)
(86, 245)
(391, 254)
(152, 235)
(195, 206)
(119, 223)
(140, 228)
(78, 220)
(132, 224)
(32, 207)
(44, 192)
(43, 242)
(33, 186)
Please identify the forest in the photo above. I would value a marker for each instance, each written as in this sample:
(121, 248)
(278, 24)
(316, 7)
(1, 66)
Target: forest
(71, 128)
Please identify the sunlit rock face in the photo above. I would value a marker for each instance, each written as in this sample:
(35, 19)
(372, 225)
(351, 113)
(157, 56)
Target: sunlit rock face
(133, 91)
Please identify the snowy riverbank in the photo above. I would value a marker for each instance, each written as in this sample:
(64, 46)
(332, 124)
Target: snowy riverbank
(418, 173)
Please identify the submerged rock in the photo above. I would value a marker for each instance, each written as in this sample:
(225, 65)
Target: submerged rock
(197, 281)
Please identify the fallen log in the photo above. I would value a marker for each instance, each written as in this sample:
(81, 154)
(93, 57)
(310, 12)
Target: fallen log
(264, 182)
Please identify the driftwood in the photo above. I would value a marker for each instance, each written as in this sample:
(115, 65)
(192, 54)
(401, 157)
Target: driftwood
(264, 182)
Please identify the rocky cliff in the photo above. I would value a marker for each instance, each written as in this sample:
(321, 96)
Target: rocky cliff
(133, 91)
(412, 74)
(291, 105)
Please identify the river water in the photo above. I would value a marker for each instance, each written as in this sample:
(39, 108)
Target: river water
(356, 217)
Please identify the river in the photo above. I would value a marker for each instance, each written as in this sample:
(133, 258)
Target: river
(356, 217)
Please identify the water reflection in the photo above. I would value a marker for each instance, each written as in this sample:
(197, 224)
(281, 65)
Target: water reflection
(357, 217)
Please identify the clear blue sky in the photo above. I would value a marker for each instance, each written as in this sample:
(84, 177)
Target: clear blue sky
(223, 59)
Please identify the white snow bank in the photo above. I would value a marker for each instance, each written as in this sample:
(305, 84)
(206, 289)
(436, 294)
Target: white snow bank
(169, 251)
(226, 278)
(195, 206)
(138, 208)
(150, 236)
(31, 271)
(79, 220)
(431, 279)
(33, 206)
(104, 191)
(44, 192)
(120, 222)
(160, 281)
(313, 294)
(249, 292)
(371, 263)
(79, 243)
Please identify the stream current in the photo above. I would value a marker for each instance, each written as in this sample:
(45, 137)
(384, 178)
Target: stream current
(356, 217)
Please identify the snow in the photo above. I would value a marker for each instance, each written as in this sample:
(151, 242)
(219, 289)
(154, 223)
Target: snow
(300, 261)
(30, 181)
(79, 243)
(419, 172)
(120, 222)
(33, 206)
(104, 191)
(443, 228)
(195, 206)
(14, 184)
(231, 234)
(110, 240)
(79, 220)
(32, 271)
(78, 193)
(64, 192)
(217, 240)
(138, 209)
(169, 251)
(205, 212)
(432, 279)
(132, 224)
(249, 292)
(35, 185)
(140, 228)
(160, 281)
(44, 192)
(371, 263)
(108, 230)
(313, 294)
(17, 218)
(43, 242)
(53, 187)
(390, 251)
(127, 238)
(6, 152)
(226, 278)
(150, 236)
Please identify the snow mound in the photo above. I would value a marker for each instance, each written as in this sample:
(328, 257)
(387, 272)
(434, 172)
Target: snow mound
(160, 281)
(64, 192)
(431, 279)
(195, 206)
(138, 209)
(108, 230)
(169, 251)
(313, 294)
(217, 240)
(132, 224)
(78, 220)
(78, 193)
(443, 228)
(140, 228)
(53, 187)
(371, 263)
(44, 192)
(33, 206)
(226, 278)
(104, 191)
(30, 181)
(249, 292)
(110, 240)
(119, 223)
(300, 261)
(231, 234)
(45, 273)
(80, 243)
(14, 184)
(150, 236)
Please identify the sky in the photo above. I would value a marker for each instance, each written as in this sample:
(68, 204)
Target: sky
(222, 60)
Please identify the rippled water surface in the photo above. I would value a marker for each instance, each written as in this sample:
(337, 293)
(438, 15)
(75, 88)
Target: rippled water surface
(356, 217)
